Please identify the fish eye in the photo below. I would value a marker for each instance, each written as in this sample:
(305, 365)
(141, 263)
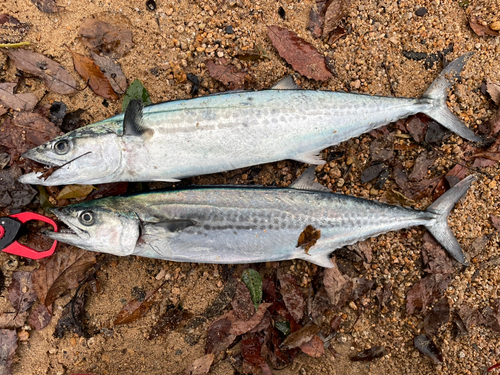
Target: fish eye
(87, 218)
(61, 147)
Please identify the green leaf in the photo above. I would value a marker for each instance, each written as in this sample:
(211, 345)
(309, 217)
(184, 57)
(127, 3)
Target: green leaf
(75, 191)
(136, 90)
(44, 198)
(283, 326)
(253, 281)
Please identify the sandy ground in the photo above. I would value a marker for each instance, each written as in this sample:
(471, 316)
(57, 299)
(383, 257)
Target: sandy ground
(181, 34)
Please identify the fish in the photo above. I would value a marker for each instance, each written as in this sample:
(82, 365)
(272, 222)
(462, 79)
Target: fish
(245, 224)
(227, 131)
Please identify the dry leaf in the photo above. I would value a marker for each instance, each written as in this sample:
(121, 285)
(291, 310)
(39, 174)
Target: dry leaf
(425, 292)
(169, 321)
(316, 20)
(439, 315)
(61, 272)
(493, 89)
(72, 317)
(55, 76)
(369, 354)
(480, 29)
(435, 257)
(227, 74)
(13, 194)
(336, 10)
(110, 36)
(314, 347)
(19, 102)
(301, 55)
(201, 366)
(91, 73)
(218, 336)
(308, 238)
(46, 6)
(8, 346)
(495, 221)
(292, 295)
(21, 291)
(300, 337)
(75, 191)
(337, 286)
(13, 320)
(239, 327)
(40, 317)
(113, 72)
(135, 309)
(427, 346)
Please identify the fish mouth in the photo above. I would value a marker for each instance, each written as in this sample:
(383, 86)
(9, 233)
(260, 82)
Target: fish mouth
(38, 157)
(71, 235)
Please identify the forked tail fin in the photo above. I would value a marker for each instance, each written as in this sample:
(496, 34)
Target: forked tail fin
(437, 93)
(439, 228)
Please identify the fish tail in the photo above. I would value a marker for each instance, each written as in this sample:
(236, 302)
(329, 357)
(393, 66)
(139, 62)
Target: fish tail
(437, 93)
(439, 227)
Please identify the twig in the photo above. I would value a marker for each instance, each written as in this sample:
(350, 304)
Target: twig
(14, 45)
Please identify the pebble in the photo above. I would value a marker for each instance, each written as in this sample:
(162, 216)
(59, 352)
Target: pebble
(421, 12)
(23, 335)
(495, 26)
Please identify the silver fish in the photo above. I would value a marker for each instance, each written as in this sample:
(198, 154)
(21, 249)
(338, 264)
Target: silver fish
(184, 138)
(244, 224)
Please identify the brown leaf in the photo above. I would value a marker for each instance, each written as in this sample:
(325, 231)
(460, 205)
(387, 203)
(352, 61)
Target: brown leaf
(169, 321)
(135, 309)
(46, 6)
(470, 317)
(493, 89)
(338, 33)
(495, 221)
(301, 55)
(337, 286)
(61, 272)
(492, 315)
(8, 346)
(336, 10)
(55, 76)
(40, 317)
(392, 196)
(292, 295)
(435, 257)
(243, 306)
(456, 174)
(18, 102)
(251, 348)
(218, 336)
(298, 338)
(316, 20)
(308, 238)
(73, 317)
(320, 304)
(369, 354)
(21, 291)
(25, 131)
(314, 347)
(110, 36)
(13, 320)
(480, 29)
(417, 128)
(239, 327)
(13, 194)
(421, 167)
(74, 191)
(427, 347)
(201, 366)
(439, 315)
(425, 292)
(91, 73)
(477, 246)
(227, 74)
(382, 148)
(495, 124)
(113, 72)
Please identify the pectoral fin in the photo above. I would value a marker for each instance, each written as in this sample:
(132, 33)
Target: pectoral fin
(286, 83)
(170, 226)
(133, 122)
(310, 158)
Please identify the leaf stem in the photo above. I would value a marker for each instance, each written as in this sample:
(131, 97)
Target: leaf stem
(14, 45)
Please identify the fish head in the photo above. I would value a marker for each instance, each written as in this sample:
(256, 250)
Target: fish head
(98, 226)
(82, 159)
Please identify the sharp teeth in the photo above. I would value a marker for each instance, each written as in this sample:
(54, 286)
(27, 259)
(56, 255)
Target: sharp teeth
(67, 230)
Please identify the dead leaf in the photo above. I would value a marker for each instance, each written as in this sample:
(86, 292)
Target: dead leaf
(61, 272)
(243, 306)
(110, 36)
(8, 346)
(369, 354)
(439, 315)
(135, 309)
(424, 292)
(73, 317)
(55, 76)
(201, 366)
(13, 194)
(493, 89)
(338, 33)
(91, 73)
(25, 131)
(239, 327)
(218, 336)
(382, 148)
(372, 172)
(337, 286)
(40, 317)
(456, 174)
(316, 20)
(18, 102)
(314, 348)
(495, 221)
(392, 196)
(435, 257)
(75, 191)
(298, 338)
(492, 315)
(421, 166)
(113, 72)
(13, 320)
(417, 128)
(227, 74)
(251, 348)
(477, 246)
(335, 12)
(301, 55)
(470, 317)
(169, 321)
(292, 295)
(476, 24)
(427, 347)
(46, 6)
(495, 124)
(21, 291)
(308, 238)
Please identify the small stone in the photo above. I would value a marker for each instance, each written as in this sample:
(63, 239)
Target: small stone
(373, 191)
(495, 26)
(220, 54)
(161, 274)
(421, 12)
(23, 336)
(229, 29)
(356, 84)
(170, 11)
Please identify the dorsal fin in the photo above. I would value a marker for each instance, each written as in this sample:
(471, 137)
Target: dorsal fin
(306, 182)
(286, 83)
(133, 123)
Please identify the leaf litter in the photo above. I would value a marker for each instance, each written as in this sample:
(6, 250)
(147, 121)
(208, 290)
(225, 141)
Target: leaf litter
(8, 346)
(18, 102)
